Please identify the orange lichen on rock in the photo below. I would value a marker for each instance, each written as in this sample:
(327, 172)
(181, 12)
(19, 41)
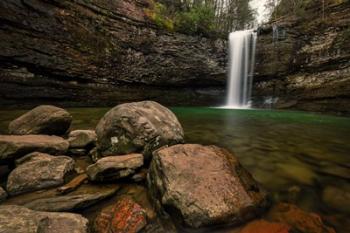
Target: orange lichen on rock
(125, 216)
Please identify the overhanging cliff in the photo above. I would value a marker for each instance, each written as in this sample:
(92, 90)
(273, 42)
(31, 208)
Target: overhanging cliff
(101, 52)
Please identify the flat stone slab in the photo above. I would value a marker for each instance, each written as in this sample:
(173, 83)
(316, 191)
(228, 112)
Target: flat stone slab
(12, 146)
(18, 219)
(114, 167)
(44, 119)
(83, 197)
(205, 184)
(38, 171)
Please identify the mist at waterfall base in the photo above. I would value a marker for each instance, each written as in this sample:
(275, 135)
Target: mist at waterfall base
(242, 46)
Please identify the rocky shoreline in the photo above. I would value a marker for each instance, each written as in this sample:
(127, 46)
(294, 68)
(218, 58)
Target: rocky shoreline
(135, 174)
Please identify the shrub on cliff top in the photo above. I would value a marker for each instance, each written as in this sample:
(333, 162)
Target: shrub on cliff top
(198, 20)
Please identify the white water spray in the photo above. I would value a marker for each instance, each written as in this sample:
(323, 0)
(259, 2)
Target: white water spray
(241, 68)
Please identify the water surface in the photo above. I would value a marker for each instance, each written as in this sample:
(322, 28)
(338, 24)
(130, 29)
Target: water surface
(301, 158)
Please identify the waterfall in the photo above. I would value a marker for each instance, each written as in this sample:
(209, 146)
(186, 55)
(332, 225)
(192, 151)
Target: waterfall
(241, 68)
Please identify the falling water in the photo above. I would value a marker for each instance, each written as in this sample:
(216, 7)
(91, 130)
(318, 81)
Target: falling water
(241, 68)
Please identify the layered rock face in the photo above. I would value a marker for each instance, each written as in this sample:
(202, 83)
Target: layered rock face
(308, 66)
(101, 52)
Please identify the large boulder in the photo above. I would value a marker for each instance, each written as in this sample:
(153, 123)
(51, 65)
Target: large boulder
(44, 119)
(114, 167)
(137, 127)
(206, 185)
(13, 146)
(82, 138)
(38, 171)
(125, 216)
(18, 219)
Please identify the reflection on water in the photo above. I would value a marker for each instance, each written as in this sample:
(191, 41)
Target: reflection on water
(299, 157)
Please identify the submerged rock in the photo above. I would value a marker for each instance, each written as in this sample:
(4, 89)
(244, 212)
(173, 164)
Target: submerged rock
(3, 194)
(18, 219)
(137, 127)
(337, 197)
(298, 219)
(38, 171)
(12, 147)
(114, 167)
(83, 197)
(126, 216)
(262, 226)
(44, 119)
(206, 185)
(82, 138)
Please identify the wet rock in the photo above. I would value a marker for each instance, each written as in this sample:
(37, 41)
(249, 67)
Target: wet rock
(94, 155)
(82, 138)
(83, 197)
(297, 172)
(160, 226)
(262, 226)
(77, 152)
(298, 219)
(73, 184)
(337, 198)
(18, 219)
(137, 127)
(206, 185)
(38, 171)
(140, 176)
(12, 147)
(125, 216)
(32, 157)
(3, 194)
(114, 167)
(44, 119)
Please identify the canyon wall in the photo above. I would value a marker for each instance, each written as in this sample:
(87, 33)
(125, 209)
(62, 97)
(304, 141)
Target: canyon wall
(308, 66)
(101, 52)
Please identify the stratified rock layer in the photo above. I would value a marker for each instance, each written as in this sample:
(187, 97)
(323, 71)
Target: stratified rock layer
(137, 127)
(104, 52)
(205, 184)
(17, 219)
(44, 119)
(40, 171)
(307, 67)
(13, 146)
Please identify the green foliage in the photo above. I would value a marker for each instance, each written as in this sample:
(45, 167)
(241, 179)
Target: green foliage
(159, 16)
(198, 20)
(201, 17)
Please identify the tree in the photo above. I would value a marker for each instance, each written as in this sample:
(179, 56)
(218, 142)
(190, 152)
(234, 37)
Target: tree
(209, 16)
